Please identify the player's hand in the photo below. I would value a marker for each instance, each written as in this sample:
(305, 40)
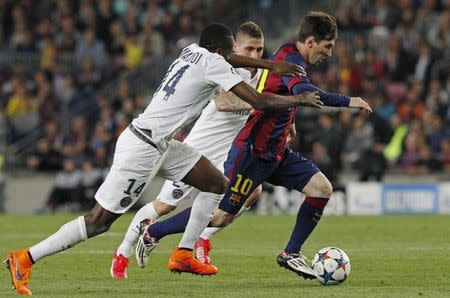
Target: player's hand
(310, 99)
(283, 68)
(358, 102)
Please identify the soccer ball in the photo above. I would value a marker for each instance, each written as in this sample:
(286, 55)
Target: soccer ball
(332, 266)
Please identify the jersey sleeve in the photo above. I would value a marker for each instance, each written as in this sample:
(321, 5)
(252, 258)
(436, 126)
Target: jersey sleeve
(290, 82)
(220, 72)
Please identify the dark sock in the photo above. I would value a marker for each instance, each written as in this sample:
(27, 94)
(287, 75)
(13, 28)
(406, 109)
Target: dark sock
(308, 216)
(172, 225)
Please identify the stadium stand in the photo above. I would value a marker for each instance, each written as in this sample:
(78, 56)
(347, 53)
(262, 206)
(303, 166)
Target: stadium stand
(74, 73)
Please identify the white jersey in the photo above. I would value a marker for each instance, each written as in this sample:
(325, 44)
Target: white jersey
(214, 131)
(191, 81)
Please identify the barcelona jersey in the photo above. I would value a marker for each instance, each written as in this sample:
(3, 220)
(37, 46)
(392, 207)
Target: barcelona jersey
(265, 132)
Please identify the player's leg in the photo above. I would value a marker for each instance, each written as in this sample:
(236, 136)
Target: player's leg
(296, 172)
(120, 190)
(245, 175)
(152, 211)
(203, 244)
(169, 197)
(183, 163)
(210, 230)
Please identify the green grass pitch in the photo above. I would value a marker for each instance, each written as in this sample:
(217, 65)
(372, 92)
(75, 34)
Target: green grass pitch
(391, 256)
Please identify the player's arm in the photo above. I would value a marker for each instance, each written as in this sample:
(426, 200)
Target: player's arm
(270, 101)
(332, 99)
(228, 102)
(282, 68)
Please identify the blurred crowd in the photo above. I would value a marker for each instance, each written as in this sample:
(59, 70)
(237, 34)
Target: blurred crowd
(394, 54)
(78, 47)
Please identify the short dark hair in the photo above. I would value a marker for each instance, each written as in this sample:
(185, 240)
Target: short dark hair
(216, 36)
(319, 24)
(251, 29)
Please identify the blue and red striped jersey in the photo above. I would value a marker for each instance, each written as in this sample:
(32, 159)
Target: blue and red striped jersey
(266, 131)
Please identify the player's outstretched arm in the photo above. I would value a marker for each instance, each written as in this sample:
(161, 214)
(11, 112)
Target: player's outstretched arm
(278, 67)
(359, 103)
(228, 102)
(270, 101)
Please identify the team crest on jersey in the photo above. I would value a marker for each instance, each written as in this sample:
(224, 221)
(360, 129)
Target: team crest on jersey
(177, 193)
(125, 202)
(235, 199)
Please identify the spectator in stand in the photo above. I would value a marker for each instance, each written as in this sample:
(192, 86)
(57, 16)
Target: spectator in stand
(439, 34)
(153, 13)
(105, 18)
(21, 111)
(331, 137)
(48, 53)
(116, 47)
(90, 48)
(358, 141)
(88, 77)
(123, 92)
(134, 52)
(186, 33)
(66, 40)
(151, 40)
(67, 188)
(398, 61)
(322, 159)
(91, 180)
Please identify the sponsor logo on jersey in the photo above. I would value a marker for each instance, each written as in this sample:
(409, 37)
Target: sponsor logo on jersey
(125, 202)
(177, 193)
(235, 199)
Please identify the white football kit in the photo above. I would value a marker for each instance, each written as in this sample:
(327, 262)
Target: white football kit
(146, 147)
(212, 135)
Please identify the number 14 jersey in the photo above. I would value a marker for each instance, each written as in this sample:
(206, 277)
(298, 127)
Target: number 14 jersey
(190, 82)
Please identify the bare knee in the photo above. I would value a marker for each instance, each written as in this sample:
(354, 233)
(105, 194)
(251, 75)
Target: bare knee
(162, 208)
(217, 185)
(318, 186)
(98, 220)
(221, 218)
(325, 189)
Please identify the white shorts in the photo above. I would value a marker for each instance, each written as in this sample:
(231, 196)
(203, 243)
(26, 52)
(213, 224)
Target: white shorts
(136, 163)
(173, 193)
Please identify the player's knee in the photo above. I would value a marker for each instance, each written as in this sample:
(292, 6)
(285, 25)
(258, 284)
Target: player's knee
(221, 218)
(95, 227)
(162, 208)
(324, 189)
(218, 185)
(98, 220)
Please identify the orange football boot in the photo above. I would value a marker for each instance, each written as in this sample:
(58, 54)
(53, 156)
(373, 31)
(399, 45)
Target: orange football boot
(19, 265)
(182, 260)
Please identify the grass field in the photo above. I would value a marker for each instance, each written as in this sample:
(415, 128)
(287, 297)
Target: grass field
(396, 256)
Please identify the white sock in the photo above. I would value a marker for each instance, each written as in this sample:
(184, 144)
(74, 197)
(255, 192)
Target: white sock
(132, 234)
(210, 231)
(67, 236)
(202, 210)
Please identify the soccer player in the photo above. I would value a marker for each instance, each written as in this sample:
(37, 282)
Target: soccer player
(212, 136)
(146, 147)
(259, 152)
